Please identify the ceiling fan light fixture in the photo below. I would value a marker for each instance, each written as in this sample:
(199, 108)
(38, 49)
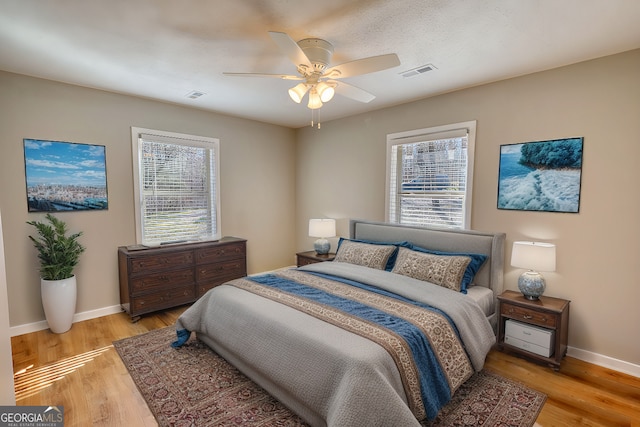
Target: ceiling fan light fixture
(326, 91)
(314, 100)
(297, 92)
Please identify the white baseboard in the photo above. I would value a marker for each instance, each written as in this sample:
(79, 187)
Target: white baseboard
(78, 317)
(605, 361)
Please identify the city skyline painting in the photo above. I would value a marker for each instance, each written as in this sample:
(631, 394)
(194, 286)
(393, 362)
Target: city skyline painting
(65, 176)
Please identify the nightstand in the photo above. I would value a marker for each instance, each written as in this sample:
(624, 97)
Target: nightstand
(526, 324)
(311, 257)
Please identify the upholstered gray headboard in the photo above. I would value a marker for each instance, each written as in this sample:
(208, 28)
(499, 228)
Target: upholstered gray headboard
(491, 244)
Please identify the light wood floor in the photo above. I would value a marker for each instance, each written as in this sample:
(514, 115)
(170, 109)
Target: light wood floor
(81, 371)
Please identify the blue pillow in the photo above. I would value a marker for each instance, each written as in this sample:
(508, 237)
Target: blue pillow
(476, 262)
(392, 259)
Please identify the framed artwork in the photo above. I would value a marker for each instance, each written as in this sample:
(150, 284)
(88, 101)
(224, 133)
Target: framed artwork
(541, 175)
(65, 176)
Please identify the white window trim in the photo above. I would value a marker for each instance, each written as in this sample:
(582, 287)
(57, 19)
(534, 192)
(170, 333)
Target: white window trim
(435, 133)
(136, 149)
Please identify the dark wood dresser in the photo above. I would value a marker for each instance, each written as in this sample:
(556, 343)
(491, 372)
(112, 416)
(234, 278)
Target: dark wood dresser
(154, 279)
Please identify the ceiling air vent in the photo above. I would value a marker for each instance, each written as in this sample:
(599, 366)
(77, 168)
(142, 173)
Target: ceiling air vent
(419, 70)
(194, 94)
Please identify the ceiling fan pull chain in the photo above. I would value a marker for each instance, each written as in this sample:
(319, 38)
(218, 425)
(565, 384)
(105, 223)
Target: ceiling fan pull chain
(317, 116)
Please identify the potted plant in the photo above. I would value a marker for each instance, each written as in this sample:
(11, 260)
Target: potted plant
(58, 253)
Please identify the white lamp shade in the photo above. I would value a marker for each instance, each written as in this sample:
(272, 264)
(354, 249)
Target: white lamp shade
(322, 228)
(536, 256)
(314, 100)
(326, 91)
(297, 92)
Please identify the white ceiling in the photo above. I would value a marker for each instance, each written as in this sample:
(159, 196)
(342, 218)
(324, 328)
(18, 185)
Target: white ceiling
(164, 49)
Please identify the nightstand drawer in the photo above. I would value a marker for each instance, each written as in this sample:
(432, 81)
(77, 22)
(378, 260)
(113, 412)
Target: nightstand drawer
(306, 261)
(533, 348)
(537, 336)
(528, 315)
(311, 257)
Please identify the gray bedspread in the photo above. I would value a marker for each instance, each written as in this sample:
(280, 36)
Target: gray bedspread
(325, 374)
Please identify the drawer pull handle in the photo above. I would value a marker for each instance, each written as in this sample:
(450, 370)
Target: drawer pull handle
(527, 316)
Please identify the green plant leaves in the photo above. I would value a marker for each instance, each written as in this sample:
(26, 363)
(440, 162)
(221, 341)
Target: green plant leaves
(58, 252)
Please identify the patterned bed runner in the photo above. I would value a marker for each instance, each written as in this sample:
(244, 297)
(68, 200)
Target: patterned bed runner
(424, 345)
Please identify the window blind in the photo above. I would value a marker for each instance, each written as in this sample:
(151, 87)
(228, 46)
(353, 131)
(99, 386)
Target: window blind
(177, 189)
(428, 178)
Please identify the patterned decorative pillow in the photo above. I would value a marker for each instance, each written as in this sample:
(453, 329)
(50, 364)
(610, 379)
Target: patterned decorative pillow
(392, 259)
(365, 254)
(477, 260)
(445, 271)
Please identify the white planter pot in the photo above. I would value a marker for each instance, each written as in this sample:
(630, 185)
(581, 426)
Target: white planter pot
(59, 302)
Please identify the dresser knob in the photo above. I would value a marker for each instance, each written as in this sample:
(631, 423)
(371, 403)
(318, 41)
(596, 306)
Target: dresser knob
(527, 316)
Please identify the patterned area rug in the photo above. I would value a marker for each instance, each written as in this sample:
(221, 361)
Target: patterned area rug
(193, 386)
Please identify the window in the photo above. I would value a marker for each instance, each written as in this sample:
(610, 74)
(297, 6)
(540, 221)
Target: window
(429, 176)
(176, 187)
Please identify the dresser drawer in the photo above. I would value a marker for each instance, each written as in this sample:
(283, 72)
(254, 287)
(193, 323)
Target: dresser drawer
(203, 288)
(221, 253)
(527, 315)
(162, 280)
(221, 270)
(164, 299)
(147, 264)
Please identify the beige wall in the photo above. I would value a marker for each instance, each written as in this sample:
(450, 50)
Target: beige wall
(257, 182)
(341, 174)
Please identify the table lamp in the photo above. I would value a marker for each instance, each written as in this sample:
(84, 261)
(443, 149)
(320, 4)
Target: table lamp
(534, 256)
(322, 228)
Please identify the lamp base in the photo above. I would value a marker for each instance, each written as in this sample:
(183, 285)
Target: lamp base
(322, 246)
(531, 284)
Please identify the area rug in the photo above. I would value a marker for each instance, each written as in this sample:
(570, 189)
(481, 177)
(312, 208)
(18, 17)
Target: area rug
(193, 386)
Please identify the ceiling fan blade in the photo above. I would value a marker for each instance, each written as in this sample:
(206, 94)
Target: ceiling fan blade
(290, 48)
(277, 76)
(364, 66)
(353, 92)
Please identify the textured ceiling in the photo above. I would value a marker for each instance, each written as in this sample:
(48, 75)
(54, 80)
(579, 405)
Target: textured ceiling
(164, 49)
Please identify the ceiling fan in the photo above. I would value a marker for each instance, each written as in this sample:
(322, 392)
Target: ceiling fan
(312, 57)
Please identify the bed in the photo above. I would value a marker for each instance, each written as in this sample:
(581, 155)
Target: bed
(363, 340)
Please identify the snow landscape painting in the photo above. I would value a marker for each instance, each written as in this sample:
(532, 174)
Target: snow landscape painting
(541, 176)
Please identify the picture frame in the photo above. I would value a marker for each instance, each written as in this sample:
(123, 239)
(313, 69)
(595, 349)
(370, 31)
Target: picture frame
(541, 175)
(65, 176)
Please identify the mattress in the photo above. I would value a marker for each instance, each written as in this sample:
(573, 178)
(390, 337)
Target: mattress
(484, 297)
